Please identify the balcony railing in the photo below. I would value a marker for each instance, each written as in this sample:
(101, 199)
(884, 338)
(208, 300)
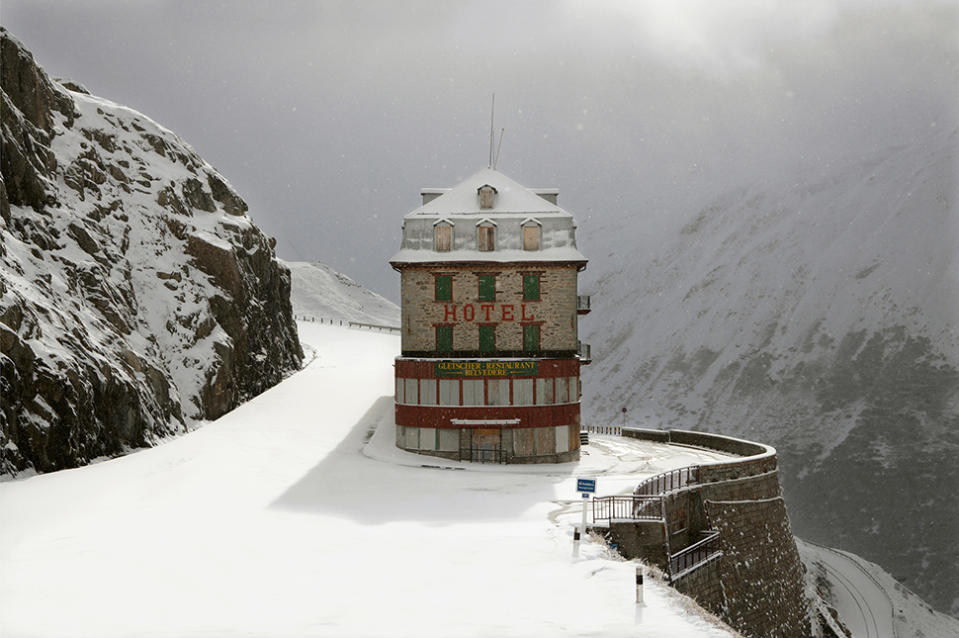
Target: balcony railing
(582, 304)
(584, 353)
(634, 508)
(691, 557)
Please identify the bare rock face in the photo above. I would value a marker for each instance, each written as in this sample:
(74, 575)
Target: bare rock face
(136, 297)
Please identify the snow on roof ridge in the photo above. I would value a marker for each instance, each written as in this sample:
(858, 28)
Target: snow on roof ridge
(511, 197)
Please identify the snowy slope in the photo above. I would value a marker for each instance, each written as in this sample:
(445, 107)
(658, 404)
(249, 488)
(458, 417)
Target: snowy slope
(318, 292)
(819, 315)
(272, 521)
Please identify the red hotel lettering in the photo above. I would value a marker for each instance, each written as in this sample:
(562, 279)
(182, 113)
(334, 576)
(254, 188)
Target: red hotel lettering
(468, 312)
(488, 307)
(446, 312)
(525, 318)
(508, 312)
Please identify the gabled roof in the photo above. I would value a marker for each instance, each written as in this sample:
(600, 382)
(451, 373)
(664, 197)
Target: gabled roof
(511, 197)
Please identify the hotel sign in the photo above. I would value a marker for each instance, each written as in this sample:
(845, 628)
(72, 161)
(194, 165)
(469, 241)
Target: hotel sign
(486, 368)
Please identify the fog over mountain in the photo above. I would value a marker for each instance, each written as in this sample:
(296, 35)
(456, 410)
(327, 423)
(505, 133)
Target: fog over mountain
(333, 115)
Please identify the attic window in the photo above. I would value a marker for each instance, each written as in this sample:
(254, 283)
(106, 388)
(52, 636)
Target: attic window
(531, 234)
(485, 236)
(486, 193)
(442, 237)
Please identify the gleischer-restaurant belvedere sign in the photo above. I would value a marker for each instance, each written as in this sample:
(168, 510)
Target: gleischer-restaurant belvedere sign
(487, 368)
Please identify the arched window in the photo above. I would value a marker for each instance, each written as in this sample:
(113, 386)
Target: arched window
(442, 236)
(531, 234)
(486, 236)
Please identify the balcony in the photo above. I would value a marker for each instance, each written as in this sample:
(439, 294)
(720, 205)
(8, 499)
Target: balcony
(584, 353)
(582, 304)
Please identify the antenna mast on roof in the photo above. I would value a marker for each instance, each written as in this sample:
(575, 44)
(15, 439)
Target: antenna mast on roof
(492, 110)
(499, 147)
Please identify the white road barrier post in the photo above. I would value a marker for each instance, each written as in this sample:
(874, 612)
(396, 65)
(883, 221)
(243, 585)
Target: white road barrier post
(640, 594)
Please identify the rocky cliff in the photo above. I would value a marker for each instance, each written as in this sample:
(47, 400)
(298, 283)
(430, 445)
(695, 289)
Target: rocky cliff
(136, 295)
(817, 314)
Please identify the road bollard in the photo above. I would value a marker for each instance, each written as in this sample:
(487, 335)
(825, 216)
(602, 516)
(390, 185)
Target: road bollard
(640, 594)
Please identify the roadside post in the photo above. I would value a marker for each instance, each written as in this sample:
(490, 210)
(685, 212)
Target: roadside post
(640, 594)
(585, 487)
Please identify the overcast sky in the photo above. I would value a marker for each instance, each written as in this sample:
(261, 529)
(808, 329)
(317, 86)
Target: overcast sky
(328, 117)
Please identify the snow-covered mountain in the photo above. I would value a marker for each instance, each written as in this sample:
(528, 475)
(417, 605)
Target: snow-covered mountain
(818, 314)
(319, 292)
(136, 295)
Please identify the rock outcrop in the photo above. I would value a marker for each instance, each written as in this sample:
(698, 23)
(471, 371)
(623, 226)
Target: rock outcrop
(136, 296)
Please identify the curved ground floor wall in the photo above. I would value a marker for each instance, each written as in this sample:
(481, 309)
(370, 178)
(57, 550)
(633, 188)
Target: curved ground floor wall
(550, 444)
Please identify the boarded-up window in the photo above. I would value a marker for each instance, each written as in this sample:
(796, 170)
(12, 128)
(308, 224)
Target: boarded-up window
(522, 392)
(448, 440)
(487, 287)
(412, 392)
(530, 287)
(444, 288)
(400, 390)
(573, 389)
(497, 391)
(427, 438)
(427, 391)
(523, 442)
(531, 338)
(449, 392)
(562, 389)
(412, 441)
(531, 237)
(562, 439)
(473, 392)
(444, 338)
(442, 237)
(544, 391)
(486, 237)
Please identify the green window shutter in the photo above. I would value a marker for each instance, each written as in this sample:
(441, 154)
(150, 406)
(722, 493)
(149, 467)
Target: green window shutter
(444, 338)
(531, 338)
(444, 288)
(487, 288)
(530, 287)
(487, 338)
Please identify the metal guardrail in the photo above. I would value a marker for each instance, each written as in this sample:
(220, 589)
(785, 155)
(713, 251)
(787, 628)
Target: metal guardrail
(668, 481)
(348, 323)
(635, 508)
(604, 429)
(696, 554)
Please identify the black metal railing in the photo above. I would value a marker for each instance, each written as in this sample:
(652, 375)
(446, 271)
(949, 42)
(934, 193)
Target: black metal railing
(696, 554)
(634, 508)
(582, 303)
(668, 481)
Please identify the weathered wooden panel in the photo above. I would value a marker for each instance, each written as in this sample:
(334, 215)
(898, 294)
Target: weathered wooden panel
(523, 442)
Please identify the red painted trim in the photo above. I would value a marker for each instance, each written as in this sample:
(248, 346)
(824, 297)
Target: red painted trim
(424, 368)
(532, 416)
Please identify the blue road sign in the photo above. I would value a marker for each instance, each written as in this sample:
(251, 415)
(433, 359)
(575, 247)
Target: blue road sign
(585, 485)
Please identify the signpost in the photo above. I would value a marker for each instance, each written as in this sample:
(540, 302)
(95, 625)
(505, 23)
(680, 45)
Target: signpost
(586, 487)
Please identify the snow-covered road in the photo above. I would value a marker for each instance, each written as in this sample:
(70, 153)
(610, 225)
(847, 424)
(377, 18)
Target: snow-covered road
(285, 518)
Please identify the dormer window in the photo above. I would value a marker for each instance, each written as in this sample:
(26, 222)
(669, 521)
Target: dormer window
(486, 194)
(442, 236)
(531, 234)
(486, 236)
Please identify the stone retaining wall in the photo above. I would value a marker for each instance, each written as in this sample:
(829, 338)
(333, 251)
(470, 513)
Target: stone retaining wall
(756, 586)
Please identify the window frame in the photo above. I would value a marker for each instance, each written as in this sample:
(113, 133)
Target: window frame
(486, 229)
(439, 227)
(532, 226)
(479, 286)
(489, 329)
(436, 336)
(539, 293)
(436, 286)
